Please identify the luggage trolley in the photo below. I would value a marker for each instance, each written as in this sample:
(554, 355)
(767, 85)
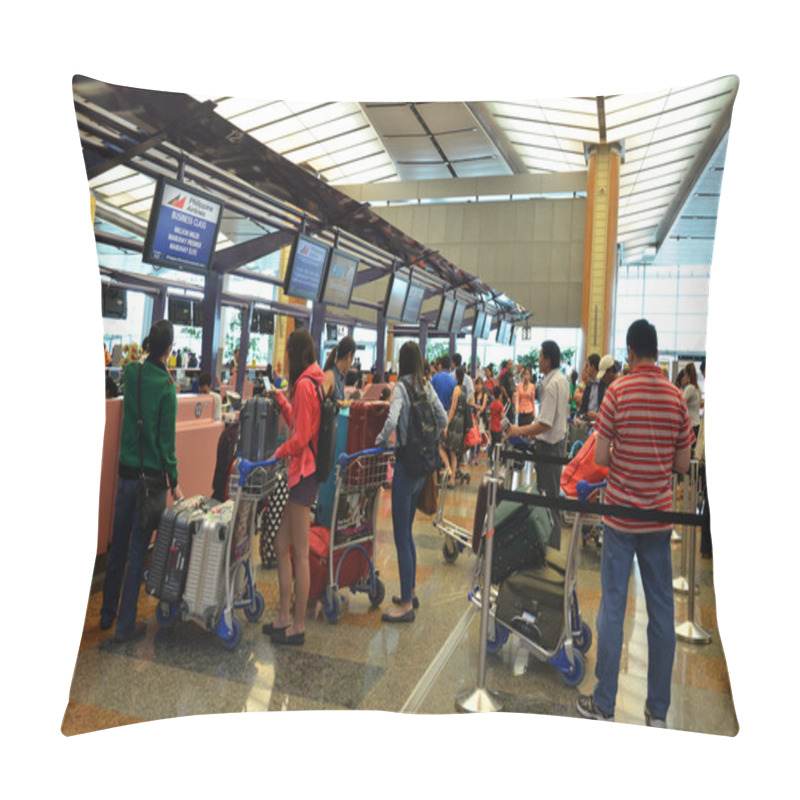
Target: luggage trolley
(549, 610)
(456, 538)
(220, 574)
(359, 479)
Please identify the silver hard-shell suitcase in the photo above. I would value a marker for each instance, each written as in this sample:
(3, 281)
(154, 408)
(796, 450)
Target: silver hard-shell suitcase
(204, 595)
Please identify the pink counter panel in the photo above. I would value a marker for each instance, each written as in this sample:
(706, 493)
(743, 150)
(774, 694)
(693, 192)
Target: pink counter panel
(197, 435)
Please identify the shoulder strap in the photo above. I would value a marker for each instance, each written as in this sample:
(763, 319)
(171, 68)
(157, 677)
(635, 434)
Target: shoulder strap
(321, 403)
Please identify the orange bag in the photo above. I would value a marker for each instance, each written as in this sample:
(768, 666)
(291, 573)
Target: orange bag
(582, 468)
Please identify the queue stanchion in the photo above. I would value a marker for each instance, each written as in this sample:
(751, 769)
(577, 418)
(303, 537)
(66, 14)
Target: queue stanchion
(676, 537)
(690, 631)
(681, 584)
(480, 699)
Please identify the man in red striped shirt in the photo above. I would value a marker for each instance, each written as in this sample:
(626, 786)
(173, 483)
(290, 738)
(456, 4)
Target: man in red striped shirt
(643, 433)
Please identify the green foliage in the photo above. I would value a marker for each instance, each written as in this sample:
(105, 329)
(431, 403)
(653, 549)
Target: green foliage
(436, 350)
(256, 351)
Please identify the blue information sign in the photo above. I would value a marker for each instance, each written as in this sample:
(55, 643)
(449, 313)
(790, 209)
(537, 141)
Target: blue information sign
(183, 227)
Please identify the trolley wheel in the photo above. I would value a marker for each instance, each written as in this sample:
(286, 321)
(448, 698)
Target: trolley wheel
(166, 614)
(254, 611)
(332, 605)
(494, 645)
(377, 597)
(235, 635)
(465, 478)
(572, 677)
(583, 641)
(449, 551)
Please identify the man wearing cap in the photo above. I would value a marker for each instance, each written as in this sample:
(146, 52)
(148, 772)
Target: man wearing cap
(593, 396)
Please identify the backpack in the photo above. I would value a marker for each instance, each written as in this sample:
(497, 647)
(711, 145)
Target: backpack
(328, 426)
(418, 453)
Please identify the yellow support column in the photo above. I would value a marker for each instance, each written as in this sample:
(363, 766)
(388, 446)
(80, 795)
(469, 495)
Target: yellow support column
(600, 246)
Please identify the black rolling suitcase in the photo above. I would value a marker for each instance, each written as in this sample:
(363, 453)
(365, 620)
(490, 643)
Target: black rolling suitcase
(170, 558)
(258, 428)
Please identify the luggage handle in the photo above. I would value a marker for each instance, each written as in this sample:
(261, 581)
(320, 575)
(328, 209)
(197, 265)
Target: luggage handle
(346, 458)
(246, 467)
(584, 489)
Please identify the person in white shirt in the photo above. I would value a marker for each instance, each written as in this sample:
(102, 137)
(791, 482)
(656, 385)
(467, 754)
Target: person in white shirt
(549, 429)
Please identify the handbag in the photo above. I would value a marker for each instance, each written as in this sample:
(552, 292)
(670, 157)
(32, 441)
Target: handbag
(428, 501)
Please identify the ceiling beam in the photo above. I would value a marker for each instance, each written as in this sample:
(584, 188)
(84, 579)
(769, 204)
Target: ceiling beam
(495, 134)
(717, 133)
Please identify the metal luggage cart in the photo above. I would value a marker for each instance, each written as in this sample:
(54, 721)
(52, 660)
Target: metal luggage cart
(238, 591)
(575, 638)
(456, 537)
(360, 477)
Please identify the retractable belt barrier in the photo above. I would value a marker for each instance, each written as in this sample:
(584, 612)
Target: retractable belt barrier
(625, 512)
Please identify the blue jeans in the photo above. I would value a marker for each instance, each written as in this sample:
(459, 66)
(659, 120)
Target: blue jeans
(654, 557)
(405, 495)
(129, 544)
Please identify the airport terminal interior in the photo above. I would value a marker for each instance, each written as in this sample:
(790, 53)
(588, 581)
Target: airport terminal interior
(481, 229)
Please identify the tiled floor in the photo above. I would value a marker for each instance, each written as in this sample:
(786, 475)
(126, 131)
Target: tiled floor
(362, 663)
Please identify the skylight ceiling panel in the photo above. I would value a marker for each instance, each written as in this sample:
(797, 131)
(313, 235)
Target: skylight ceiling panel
(378, 170)
(262, 115)
(626, 108)
(646, 200)
(114, 174)
(544, 128)
(632, 221)
(665, 173)
(140, 207)
(639, 147)
(338, 127)
(667, 125)
(364, 164)
(357, 161)
(580, 105)
(341, 144)
(269, 132)
(288, 145)
(574, 149)
(551, 163)
(233, 107)
(568, 119)
(678, 158)
(131, 184)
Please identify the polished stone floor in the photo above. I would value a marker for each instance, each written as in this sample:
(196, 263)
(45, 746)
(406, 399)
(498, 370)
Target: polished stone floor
(361, 663)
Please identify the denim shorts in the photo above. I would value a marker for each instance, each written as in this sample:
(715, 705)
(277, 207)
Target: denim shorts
(305, 492)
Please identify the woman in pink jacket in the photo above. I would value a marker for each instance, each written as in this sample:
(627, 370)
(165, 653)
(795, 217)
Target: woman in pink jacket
(302, 414)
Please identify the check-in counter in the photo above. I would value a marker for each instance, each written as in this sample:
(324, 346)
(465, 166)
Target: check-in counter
(197, 435)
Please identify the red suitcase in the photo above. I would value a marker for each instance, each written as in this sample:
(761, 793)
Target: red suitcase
(355, 566)
(366, 422)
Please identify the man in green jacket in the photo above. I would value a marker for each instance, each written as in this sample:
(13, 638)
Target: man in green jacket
(151, 458)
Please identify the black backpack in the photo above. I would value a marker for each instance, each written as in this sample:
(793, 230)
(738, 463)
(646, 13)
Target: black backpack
(419, 452)
(328, 426)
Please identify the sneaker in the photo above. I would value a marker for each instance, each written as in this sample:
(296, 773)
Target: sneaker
(651, 721)
(588, 708)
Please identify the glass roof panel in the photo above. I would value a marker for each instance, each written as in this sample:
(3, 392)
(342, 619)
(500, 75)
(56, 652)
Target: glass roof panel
(114, 174)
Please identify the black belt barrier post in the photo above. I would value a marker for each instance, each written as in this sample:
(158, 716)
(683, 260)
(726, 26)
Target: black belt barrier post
(480, 698)
(690, 631)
